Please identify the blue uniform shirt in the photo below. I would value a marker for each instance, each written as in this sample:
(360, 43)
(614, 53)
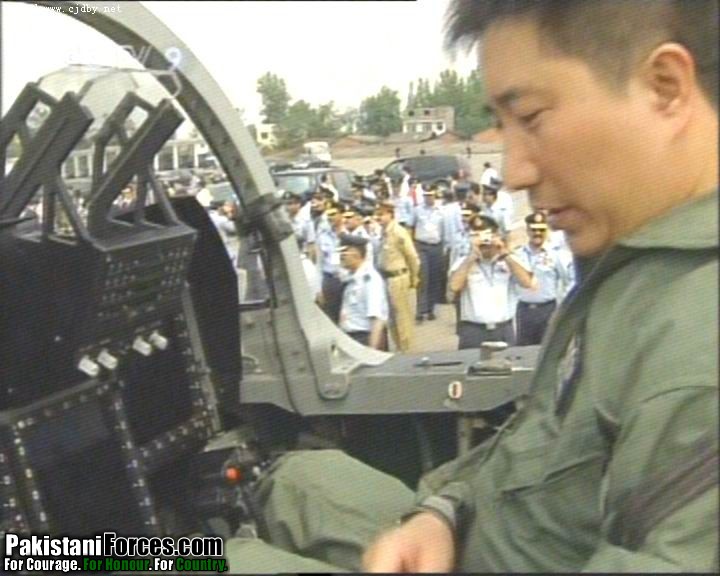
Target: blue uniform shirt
(364, 298)
(428, 223)
(329, 258)
(452, 223)
(501, 214)
(550, 271)
(461, 245)
(303, 228)
(404, 210)
(369, 247)
(490, 296)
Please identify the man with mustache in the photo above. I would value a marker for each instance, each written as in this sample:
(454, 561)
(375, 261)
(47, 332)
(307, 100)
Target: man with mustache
(535, 307)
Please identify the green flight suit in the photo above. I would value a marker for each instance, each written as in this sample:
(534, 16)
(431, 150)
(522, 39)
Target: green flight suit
(612, 464)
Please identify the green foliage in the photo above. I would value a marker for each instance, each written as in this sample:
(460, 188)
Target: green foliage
(298, 121)
(275, 98)
(380, 114)
(303, 122)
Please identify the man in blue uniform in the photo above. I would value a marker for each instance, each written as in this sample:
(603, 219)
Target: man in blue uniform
(404, 208)
(535, 307)
(486, 281)
(428, 223)
(364, 310)
(302, 225)
(499, 211)
(328, 241)
(354, 226)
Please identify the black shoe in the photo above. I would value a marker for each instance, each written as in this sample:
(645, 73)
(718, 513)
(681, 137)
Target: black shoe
(431, 316)
(419, 318)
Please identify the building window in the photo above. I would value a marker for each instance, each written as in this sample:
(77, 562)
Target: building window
(186, 156)
(440, 126)
(70, 168)
(165, 159)
(426, 112)
(263, 135)
(83, 165)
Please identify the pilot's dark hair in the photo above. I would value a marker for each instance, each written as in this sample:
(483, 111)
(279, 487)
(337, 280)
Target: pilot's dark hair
(611, 36)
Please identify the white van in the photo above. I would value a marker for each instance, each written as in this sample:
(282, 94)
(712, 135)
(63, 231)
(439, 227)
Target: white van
(318, 150)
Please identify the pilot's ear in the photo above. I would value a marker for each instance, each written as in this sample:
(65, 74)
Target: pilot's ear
(669, 74)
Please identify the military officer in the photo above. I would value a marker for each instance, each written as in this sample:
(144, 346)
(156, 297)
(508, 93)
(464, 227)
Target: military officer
(317, 212)
(364, 310)
(400, 266)
(354, 225)
(460, 248)
(535, 307)
(493, 208)
(461, 241)
(328, 241)
(486, 282)
(374, 231)
(404, 209)
(302, 226)
(428, 227)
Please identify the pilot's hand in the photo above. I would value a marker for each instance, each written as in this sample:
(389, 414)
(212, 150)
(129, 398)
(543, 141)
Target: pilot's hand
(423, 544)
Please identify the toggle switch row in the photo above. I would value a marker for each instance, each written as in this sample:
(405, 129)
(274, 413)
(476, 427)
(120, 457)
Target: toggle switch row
(145, 347)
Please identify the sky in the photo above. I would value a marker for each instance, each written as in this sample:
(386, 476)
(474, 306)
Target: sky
(340, 51)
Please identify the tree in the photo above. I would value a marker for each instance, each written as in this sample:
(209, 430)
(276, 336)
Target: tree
(380, 114)
(295, 127)
(326, 122)
(474, 116)
(449, 91)
(275, 98)
(349, 120)
(423, 94)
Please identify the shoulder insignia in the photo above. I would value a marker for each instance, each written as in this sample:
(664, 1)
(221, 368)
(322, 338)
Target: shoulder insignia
(569, 371)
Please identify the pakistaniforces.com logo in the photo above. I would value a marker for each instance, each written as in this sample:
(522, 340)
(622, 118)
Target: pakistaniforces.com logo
(112, 553)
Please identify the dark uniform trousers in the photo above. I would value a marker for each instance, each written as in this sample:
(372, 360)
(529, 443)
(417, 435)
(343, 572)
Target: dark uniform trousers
(532, 320)
(472, 334)
(332, 289)
(431, 276)
(445, 277)
(364, 338)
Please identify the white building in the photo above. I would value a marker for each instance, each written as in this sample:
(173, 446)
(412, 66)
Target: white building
(439, 120)
(266, 135)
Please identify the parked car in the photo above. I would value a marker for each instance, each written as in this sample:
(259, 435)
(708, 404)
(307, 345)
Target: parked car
(429, 169)
(303, 181)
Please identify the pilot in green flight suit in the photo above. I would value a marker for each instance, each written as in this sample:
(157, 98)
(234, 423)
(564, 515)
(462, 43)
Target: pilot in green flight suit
(612, 463)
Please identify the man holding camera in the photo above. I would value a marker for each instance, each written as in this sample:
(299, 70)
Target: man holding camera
(486, 281)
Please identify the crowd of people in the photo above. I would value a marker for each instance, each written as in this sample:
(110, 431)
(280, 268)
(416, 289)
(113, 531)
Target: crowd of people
(383, 261)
